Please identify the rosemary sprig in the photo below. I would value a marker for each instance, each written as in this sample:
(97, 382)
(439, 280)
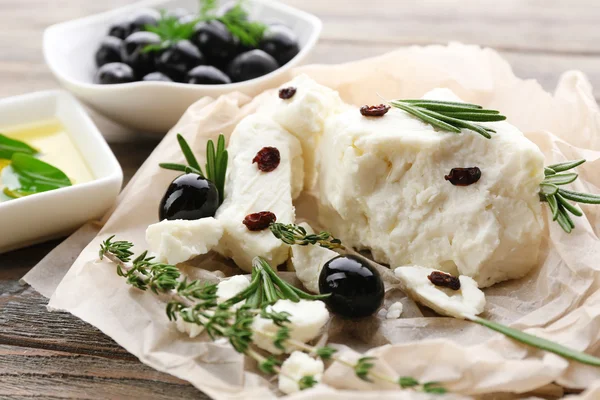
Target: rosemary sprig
(449, 115)
(215, 167)
(557, 198)
(295, 234)
(196, 302)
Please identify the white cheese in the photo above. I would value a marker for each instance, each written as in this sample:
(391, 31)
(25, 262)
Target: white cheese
(307, 318)
(394, 311)
(249, 190)
(226, 289)
(308, 261)
(382, 187)
(304, 115)
(180, 240)
(469, 300)
(297, 366)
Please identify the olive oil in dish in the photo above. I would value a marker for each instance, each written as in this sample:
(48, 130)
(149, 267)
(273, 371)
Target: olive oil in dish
(55, 147)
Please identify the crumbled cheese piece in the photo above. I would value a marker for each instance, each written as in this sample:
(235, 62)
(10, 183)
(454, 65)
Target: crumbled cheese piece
(394, 311)
(249, 190)
(226, 289)
(297, 366)
(469, 300)
(308, 261)
(382, 187)
(180, 240)
(307, 318)
(304, 116)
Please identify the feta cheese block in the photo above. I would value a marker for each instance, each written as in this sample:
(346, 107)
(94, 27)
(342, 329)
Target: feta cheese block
(297, 366)
(304, 115)
(175, 241)
(382, 187)
(308, 261)
(249, 190)
(469, 300)
(307, 318)
(226, 289)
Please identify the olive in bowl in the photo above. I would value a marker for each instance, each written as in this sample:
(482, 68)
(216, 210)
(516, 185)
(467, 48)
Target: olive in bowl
(355, 287)
(133, 53)
(112, 73)
(250, 65)
(215, 41)
(280, 42)
(156, 77)
(109, 51)
(190, 197)
(207, 75)
(178, 59)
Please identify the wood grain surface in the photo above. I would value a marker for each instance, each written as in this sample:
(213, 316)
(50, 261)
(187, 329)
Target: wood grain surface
(54, 355)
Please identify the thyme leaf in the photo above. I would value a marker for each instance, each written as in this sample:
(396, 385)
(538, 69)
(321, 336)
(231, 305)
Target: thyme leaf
(295, 234)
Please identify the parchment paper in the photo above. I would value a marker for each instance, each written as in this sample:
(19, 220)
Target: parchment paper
(559, 300)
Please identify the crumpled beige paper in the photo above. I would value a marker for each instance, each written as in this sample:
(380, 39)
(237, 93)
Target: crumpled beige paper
(559, 300)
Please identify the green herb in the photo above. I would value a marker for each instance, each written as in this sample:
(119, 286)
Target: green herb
(33, 176)
(295, 234)
(557, 198)
(196, 302)
(450, 116)
(248, 32)
(170, 31)
(8, 147)
(216, 163)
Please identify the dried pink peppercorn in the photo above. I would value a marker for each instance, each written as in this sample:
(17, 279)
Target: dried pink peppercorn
(374, 111)
(463, 176)
(267, 159)
(287, 93)
(445, 280)
(259, 221)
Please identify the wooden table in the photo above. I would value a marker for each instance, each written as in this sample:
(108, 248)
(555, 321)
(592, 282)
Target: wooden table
(58, 356)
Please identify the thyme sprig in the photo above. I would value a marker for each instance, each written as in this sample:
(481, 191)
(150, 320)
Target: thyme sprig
(557, 197)
(450, 116)
(295, 234)
(196, 302)
(215, 167)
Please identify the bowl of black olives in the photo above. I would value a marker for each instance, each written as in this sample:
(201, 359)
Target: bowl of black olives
(145, 64)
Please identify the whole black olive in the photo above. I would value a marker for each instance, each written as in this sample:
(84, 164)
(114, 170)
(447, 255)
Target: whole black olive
(156, 77)
(144, 17)
(109, 51)
(215, 41)
(132, 52)
(178, 59)
(280, 42)
(120, 29)
(250, 65)
(207, 75)
(189, 196)
(114, 73)
(356, 287)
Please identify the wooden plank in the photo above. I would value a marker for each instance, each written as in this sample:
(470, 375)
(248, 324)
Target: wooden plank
(26, 373)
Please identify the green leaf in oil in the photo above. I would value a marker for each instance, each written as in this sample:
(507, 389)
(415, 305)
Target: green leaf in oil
(33, 176)
(9, 146)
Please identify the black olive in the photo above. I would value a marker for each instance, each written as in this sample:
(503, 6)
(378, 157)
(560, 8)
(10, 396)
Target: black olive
(177, 13)
(280, 42)
(250, 65)
(114, 73)
(215, 41)
(120, 29)
(178, 59)
(109, 51)
(207, 75)
(356, 287)
(189, 196)
(141, 18)
(156, 77)
(132, 52)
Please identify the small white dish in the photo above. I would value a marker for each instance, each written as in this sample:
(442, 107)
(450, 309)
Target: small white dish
(43, 216)
(69, 50)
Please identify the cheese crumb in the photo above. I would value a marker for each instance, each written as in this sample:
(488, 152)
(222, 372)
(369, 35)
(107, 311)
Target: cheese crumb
(175, 241)
(297, 366)
(394, 311)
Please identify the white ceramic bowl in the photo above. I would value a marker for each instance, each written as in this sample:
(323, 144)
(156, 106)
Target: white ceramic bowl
(69, 50)
(56, 213)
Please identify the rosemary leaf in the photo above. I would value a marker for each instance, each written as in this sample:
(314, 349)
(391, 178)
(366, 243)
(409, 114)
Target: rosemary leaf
(549, 171)
(586, 198)
(538, 342)
(307, 382)
(568, 206)
(560, 179)
(180, 167)
(565, 215)
(459, 123)
(552, 202)
(565, 166)
(425, 117)
(362, 368)
(482, 117)
(407, 382)
(210, 161)
(188, 154)
(423, 102)
(549, 189)
(563, 221)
